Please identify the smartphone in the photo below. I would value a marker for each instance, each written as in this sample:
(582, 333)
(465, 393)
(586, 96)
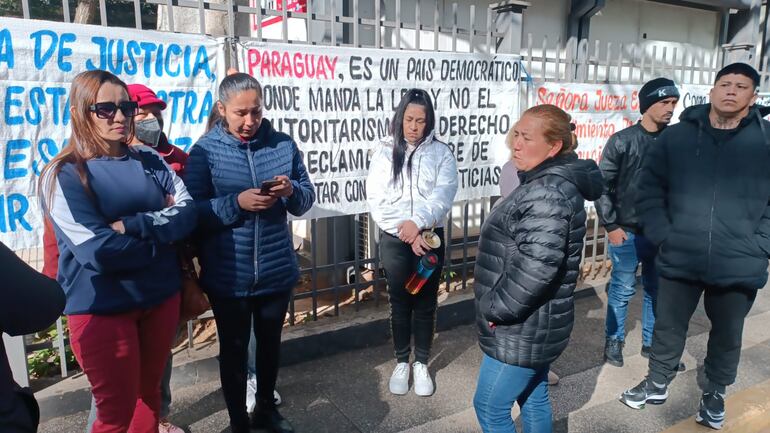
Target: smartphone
(266, 185)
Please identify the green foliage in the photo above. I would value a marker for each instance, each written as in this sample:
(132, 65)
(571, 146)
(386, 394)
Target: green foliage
(447, 273)
(46, 362)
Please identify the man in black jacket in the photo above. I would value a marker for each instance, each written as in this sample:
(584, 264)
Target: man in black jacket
(620, 164)
(704, 198)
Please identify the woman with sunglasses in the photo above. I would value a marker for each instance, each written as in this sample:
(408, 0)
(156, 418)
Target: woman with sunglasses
(116, 211)
(410, 189)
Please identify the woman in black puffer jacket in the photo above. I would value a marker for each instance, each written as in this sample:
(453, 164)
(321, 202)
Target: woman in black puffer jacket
(527, 268)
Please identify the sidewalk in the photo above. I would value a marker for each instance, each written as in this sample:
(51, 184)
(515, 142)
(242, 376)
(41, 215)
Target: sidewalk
(348, 392)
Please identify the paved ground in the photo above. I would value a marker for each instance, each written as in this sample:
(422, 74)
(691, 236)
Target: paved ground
(348, 392)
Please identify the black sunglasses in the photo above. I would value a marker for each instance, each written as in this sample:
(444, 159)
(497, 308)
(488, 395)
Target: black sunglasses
(106, 110)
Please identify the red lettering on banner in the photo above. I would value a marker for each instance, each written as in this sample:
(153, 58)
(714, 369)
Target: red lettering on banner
(279, 64)
(563, 99)
(589, 129)
(610, 102)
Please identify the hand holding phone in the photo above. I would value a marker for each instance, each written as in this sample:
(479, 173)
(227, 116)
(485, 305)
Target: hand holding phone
(279, 187)
(253, 200)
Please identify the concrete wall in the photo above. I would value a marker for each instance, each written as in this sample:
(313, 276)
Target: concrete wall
(638, 21)
(545, 18)
(645, 24)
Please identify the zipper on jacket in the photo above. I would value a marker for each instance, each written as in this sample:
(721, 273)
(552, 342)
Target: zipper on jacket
(711, 213)
(711, 229)
(411, 185)
(256, 218)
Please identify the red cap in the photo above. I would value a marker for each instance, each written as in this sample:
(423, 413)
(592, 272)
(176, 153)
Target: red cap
(144, 96)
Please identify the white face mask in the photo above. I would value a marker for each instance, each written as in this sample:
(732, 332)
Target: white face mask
(148, 131)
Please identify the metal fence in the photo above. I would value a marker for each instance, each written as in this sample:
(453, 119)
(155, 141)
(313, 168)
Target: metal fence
(338, 255)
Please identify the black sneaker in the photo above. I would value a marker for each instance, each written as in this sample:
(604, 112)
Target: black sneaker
(712, 410)
(268, 418)
(613, 352)
(645, 392)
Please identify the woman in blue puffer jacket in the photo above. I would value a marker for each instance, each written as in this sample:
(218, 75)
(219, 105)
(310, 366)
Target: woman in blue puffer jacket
(246, 176)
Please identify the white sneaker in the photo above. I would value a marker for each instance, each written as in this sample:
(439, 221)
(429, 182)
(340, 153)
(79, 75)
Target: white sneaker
(251, 394)
(423, 384)
(399, 380)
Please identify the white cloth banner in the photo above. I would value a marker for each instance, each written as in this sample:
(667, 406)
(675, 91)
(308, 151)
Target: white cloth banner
(337, 104)
(39, 60)
(600, 110)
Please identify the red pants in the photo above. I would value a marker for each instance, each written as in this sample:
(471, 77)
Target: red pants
(123, 356)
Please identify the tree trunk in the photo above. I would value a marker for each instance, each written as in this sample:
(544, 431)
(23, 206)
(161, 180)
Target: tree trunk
(86, 11)
(187, 20)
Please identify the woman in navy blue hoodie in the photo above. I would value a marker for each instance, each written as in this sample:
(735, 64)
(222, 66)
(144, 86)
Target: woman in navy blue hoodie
(116, 211)
(245, 176)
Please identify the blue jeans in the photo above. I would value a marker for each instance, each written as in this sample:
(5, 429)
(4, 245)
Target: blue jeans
(625, 259)
(501, 385)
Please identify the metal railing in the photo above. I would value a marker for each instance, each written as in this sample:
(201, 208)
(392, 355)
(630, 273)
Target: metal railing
(338, 255)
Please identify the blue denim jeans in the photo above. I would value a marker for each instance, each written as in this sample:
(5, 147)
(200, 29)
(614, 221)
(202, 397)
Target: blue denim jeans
(625, 259)
(500, 385)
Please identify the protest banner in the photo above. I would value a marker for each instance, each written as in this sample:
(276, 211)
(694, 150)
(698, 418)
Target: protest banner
(600, 110)
(39, 60)
(337, 104)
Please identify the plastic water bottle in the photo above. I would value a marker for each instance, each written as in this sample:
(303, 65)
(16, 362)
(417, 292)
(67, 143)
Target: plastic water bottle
(425, 268)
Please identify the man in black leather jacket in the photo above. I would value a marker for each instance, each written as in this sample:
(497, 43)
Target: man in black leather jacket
(620, 165)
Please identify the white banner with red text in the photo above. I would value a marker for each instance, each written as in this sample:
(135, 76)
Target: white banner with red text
(600, 110)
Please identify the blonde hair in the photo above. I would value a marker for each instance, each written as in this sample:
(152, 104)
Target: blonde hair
(557, 126)
(85, 142)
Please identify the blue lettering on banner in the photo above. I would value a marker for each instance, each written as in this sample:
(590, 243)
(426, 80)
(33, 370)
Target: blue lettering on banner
(186, 107)
(184, 143)
(32, 106)
(147, 58)
(54, 44)
(177, 51)
(13, 156)
(64, 51)
(6, 48)
(133, 50)
(208, 104)
(11, 102)
(47, 149)
(36, 99)
(39, 57)
(13, 213)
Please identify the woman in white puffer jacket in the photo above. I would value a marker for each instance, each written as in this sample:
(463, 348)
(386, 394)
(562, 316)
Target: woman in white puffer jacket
(410, 189)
